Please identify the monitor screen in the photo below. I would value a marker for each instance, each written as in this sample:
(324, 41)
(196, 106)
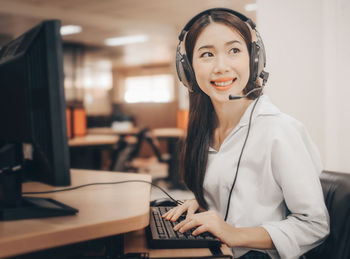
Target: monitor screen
(32, 107)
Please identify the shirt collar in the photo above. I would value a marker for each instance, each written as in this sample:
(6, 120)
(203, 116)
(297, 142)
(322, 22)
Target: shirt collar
(263, 107)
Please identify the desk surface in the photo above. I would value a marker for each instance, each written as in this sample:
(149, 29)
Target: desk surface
(93, 140)
(168, 133)
(158, 132)
(104, 210)
(111, 131)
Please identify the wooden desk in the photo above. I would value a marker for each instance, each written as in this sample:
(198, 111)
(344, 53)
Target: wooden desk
(104, 210)
(135, 242)
(170, 135)
(167, 133)
(92, 152)
(159, 132)
(111, 131)
(93, 140)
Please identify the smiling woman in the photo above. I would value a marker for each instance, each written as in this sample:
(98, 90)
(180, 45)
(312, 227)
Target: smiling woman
(254, 170)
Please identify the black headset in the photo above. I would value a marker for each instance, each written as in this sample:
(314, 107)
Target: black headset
(257, 54)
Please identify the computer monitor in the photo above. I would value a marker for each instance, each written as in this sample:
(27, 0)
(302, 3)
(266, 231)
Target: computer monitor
(33, 129)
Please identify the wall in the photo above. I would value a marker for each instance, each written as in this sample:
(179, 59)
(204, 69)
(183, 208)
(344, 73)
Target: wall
(337, 67)
(151, 115)
(308, 59)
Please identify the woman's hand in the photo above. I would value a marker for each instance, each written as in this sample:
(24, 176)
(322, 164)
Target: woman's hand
(208, 221)
(191, 206)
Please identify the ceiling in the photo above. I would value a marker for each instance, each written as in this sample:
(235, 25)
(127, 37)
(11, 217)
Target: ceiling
(161, 20)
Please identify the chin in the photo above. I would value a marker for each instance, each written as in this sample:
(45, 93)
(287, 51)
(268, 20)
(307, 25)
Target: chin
(220, 98)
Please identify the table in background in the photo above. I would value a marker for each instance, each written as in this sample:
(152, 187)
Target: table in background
(172, 136)
(93, 140)
(110, 131)
(104, 210)
(86, 152)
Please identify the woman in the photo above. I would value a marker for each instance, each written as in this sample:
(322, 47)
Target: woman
(254, 170)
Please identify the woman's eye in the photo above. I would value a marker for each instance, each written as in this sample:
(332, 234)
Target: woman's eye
(206, 55)
(234, 50)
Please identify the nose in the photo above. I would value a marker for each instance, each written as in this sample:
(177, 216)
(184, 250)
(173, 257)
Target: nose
(221, 65)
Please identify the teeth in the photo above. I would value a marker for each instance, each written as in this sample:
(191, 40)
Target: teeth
(223, 83)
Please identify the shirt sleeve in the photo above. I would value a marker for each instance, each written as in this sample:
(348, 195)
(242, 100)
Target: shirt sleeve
(296, 166)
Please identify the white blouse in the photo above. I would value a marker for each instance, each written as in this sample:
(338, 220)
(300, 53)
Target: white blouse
(278, 184)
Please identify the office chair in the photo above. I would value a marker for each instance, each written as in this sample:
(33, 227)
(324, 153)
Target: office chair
(155, 145)
(127, 150)
(161, 164)
(336, 190)
(156, 164)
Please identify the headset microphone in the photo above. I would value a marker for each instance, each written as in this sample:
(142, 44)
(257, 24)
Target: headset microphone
(235, 97)
(264, 75)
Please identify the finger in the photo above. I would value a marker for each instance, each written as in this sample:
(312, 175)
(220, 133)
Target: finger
(170, 213)
(178, 213)
(201, 229)
(189, 225)
(190, 212)
(179, 225)
(165, 214)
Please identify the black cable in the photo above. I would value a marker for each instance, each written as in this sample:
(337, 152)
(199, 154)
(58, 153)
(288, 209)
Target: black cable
(90, 184)
(240, 156)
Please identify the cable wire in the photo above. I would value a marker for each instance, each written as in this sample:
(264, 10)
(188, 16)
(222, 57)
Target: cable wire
(240, 156)
(105, 183)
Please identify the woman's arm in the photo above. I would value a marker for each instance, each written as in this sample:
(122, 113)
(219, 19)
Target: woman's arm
(210, 221)
(296, 165)
(253, 237)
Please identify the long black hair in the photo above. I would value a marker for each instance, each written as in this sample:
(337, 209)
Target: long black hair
(202, 117)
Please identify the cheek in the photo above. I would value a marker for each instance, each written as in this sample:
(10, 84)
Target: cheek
(243, 68)
(246, 73)
(247, 67)
(201, 72)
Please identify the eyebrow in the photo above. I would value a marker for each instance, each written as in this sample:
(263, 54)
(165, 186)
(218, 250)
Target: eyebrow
(227, 43)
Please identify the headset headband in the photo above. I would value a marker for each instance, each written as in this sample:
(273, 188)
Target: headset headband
(195, 18)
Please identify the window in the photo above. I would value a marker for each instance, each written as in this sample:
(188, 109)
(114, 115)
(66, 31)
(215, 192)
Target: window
(90, 80)
(154, 88)
(97, 75)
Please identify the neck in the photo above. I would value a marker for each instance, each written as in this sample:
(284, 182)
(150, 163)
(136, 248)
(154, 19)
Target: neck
(229, 114)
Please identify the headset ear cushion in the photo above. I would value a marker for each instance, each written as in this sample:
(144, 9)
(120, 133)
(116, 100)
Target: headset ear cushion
(262, 54)
(185, 71)
(180, 69)
(254, 61)
(257, 59)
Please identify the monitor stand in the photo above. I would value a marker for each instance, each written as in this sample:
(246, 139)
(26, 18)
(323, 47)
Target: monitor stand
(14, 206)
(34, 207)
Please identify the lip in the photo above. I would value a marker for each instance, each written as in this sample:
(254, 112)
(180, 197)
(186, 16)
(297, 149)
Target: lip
(223, 80)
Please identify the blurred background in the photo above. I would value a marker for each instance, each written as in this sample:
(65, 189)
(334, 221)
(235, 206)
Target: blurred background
(119, 61)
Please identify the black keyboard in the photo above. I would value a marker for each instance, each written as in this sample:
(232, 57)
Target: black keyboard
(161, 234)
